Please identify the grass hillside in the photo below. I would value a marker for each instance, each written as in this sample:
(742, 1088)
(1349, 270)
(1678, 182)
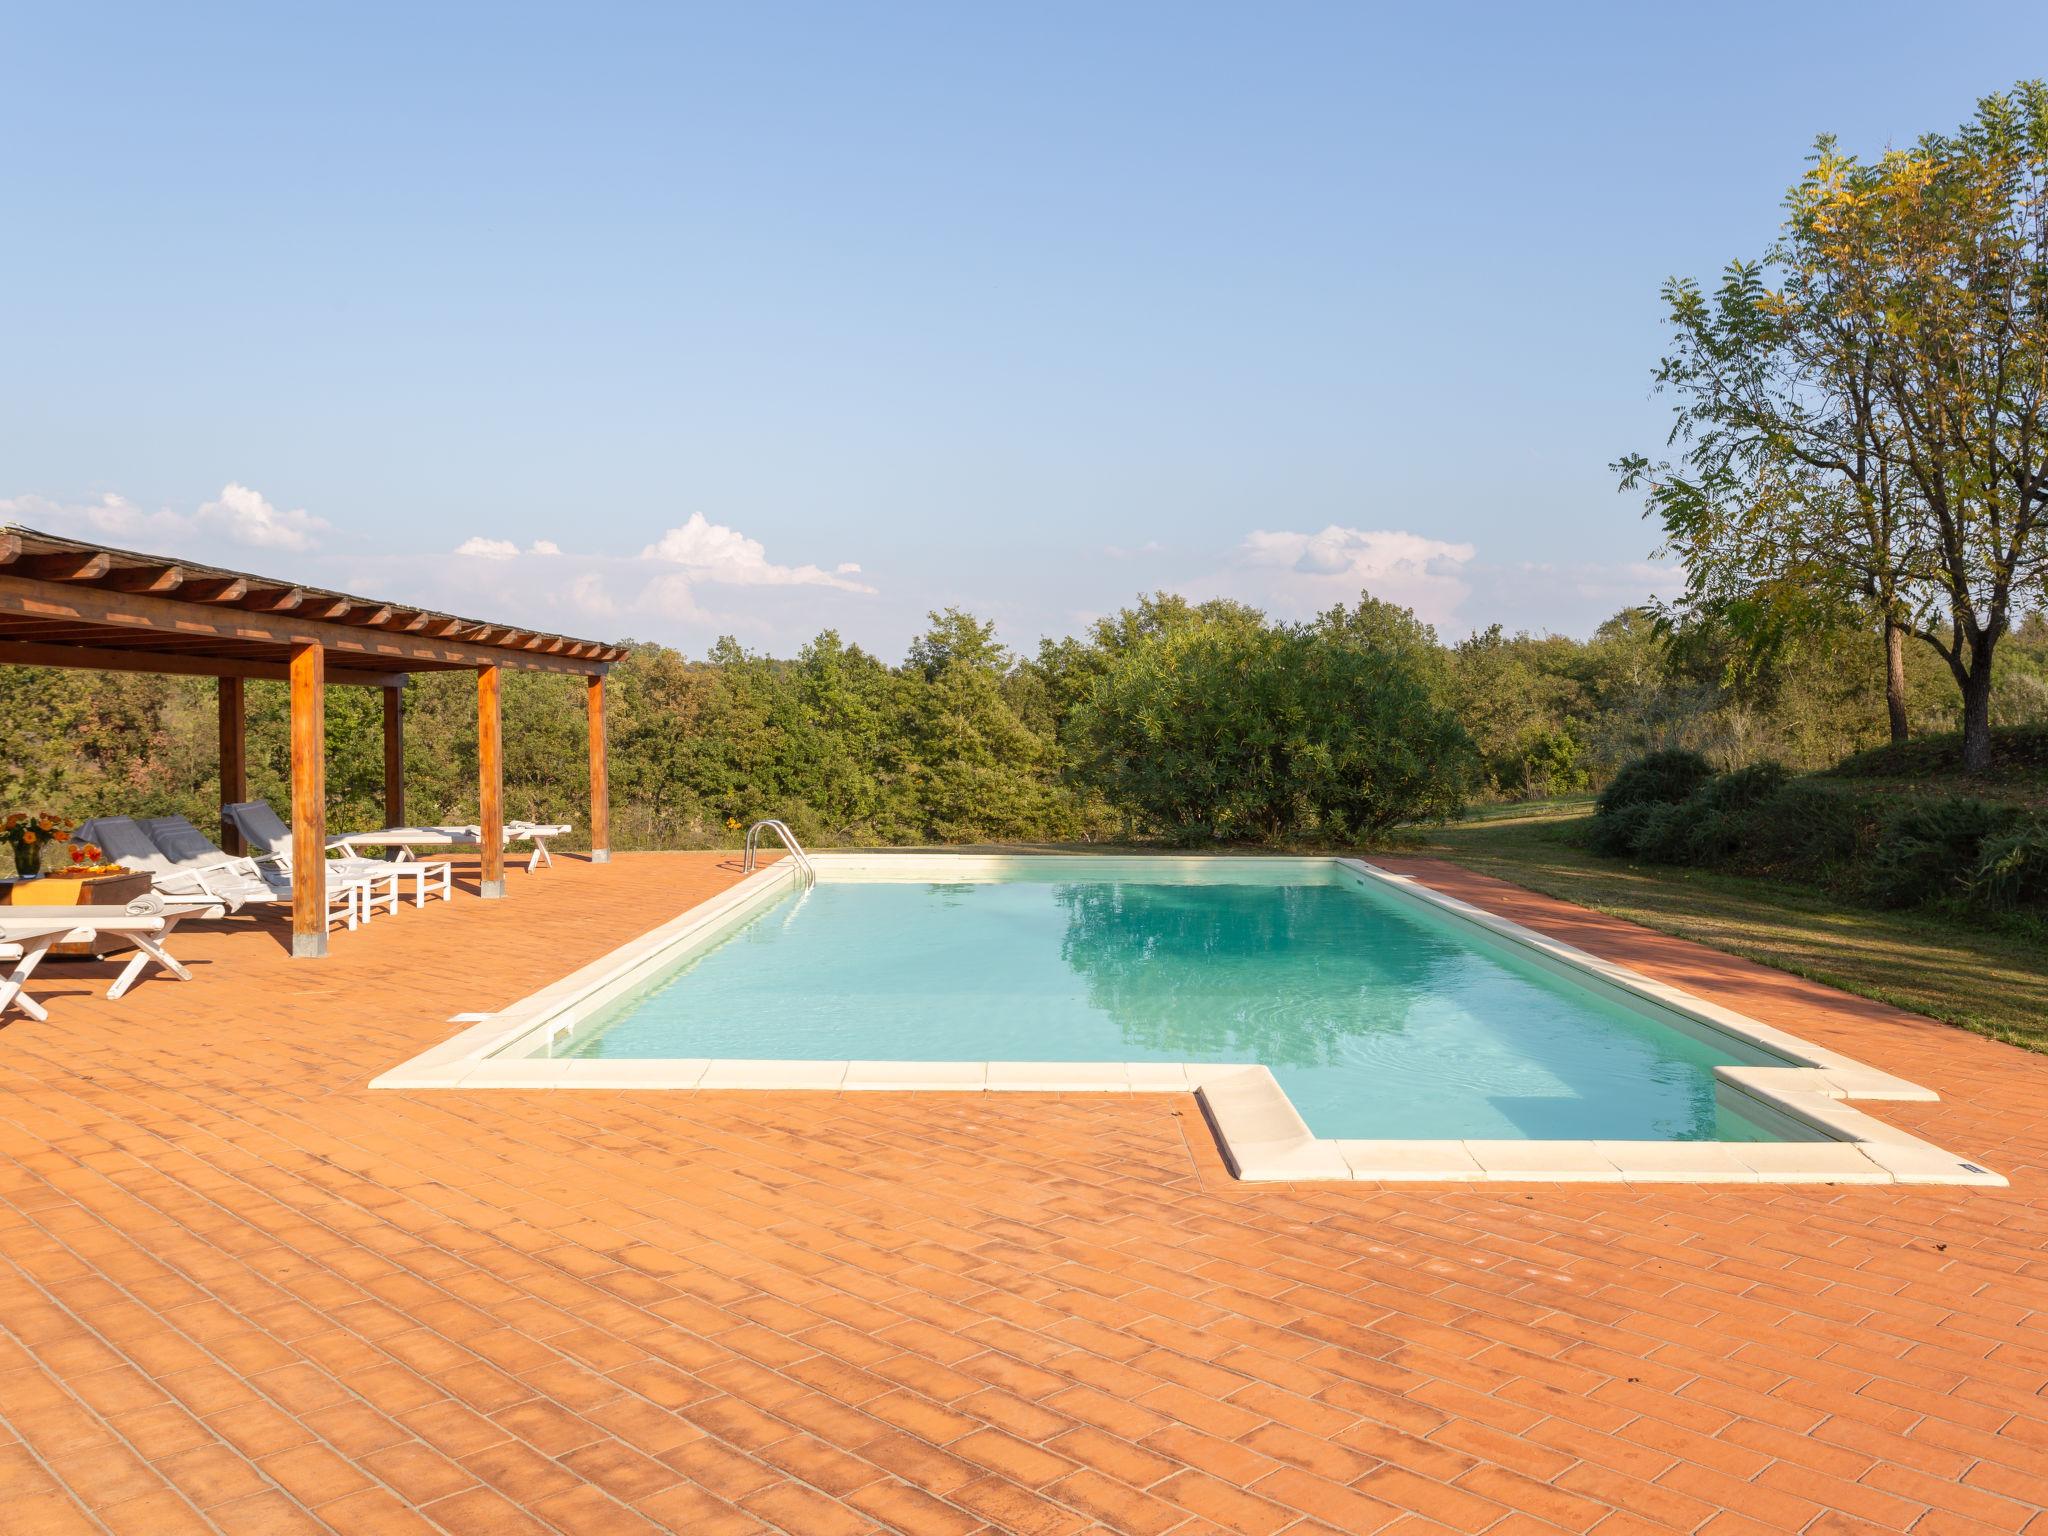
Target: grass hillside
(1890, 874)
(1934, 765)
(1993, 982)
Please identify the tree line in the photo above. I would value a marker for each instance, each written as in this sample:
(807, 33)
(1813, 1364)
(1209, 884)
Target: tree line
(1171, 721)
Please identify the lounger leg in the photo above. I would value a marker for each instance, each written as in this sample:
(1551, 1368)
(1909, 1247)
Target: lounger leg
(146, 950)
(540, 856)
(128, 974)
(12, 988)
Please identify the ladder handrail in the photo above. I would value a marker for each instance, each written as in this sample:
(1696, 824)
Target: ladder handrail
(781, 830)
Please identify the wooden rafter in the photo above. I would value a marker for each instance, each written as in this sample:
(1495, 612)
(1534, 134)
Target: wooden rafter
(274, 599)
(64, 567)
(146, 578)
(216, 589)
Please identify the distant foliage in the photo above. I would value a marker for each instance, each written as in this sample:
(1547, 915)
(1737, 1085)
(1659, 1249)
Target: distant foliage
(1931, 849)
(1166, 720)
(1719, 812)
(1215, 727)
(1657, 778)
(1877, 847)
(2012, 868)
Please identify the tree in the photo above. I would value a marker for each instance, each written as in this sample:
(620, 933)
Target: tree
(957, 636)
(1873, 432)
(1225, 727)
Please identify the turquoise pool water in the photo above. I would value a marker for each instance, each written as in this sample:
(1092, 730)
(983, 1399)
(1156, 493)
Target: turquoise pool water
(1379, 1018)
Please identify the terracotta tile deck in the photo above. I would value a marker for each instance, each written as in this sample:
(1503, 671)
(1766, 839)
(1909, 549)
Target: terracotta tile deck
(240, 1292)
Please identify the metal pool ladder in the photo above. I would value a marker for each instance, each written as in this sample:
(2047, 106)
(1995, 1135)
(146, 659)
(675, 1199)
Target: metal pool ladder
(781, 830)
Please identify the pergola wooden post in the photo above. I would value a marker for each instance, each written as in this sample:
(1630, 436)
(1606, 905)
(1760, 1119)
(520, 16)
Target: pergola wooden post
(600, 779)
(309, 800)
(490, 793)
(68, 603)
(394, 757)
(234, 760)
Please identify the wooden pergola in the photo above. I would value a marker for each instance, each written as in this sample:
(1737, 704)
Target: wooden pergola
(66, 603)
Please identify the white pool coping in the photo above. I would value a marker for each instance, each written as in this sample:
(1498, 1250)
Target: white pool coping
(1262, 1136)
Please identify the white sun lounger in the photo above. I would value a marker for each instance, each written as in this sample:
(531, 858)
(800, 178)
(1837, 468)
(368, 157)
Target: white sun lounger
(406, 839)
(183, 864)
(27, 933)
(266, 830)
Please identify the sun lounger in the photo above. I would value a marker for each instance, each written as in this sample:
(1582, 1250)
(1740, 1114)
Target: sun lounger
(406, 839)
(355, 888)
(27, 933)
(265, 830)
(182, 863)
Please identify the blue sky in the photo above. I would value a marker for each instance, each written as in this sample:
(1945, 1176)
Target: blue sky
(688, 320)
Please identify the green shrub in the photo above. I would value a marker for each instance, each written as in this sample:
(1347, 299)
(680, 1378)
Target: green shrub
(1719, 811)
(1615, 833)
(1928, 849)
(1234, 729)
(1661, 778)
(1803, 830)
(2012, 868)
(1664, 833)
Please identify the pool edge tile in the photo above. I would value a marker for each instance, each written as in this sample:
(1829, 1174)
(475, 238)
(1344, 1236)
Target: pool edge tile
(886, 1076)
(1400, 1161)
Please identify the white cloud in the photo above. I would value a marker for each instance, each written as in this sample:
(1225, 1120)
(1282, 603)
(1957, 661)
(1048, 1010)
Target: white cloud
(1356, 554)
(666, 589)
(111, 517)
(708, 551)
(481, 548)
(238, 516)
(242, 516)
(672, 597)
(587, 594)
(1294, 574)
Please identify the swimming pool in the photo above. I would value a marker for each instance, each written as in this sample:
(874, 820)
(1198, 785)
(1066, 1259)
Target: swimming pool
(1378, 1018)
(1332, 1020)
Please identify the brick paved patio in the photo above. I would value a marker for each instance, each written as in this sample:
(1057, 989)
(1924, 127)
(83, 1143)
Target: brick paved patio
(240, 1292)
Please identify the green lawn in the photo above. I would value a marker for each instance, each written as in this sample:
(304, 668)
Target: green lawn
(1995, 983)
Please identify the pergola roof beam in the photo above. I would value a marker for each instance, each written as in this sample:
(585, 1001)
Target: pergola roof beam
(25, 654)
(216, 589)
(64, 567)
(146, 578)
(273, 599)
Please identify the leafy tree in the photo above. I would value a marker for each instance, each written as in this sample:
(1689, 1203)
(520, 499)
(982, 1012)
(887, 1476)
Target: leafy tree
(1872, 433)
(1227, 727)
(957, 636)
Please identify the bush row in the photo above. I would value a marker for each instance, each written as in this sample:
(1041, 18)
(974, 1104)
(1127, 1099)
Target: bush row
(1673, 808)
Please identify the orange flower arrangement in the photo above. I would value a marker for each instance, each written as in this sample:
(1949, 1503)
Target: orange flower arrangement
(28, 836)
